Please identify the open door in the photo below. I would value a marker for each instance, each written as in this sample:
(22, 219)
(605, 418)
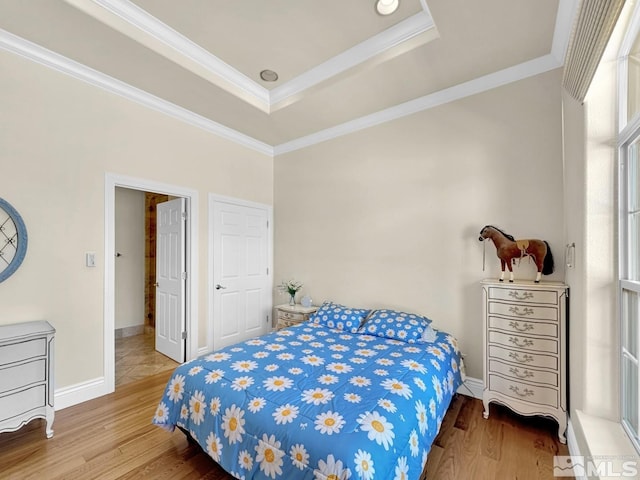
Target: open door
(171, 279)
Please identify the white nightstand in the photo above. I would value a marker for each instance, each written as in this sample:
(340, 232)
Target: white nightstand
(287, 315)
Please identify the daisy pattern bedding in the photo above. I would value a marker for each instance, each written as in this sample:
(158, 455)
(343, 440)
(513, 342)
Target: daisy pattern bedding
(314, 402)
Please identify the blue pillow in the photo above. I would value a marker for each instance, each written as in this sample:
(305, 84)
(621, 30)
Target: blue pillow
(407, 327)
(339, 317)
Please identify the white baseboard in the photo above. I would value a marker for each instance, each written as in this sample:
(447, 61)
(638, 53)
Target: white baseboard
(80, 392)
(472, 387)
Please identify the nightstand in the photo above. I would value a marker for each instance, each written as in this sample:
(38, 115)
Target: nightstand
(287, 315)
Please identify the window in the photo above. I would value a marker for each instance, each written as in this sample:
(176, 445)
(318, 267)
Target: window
(633, 80)
(629, 230)
(630, 283)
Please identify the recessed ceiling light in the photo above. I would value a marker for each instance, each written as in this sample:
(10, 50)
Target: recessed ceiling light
(268, 75)
(387, 7)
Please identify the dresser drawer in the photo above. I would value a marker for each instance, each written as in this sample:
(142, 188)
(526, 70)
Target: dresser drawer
(521, 295)
(524, 326)
(16, 352)
(519, 372)
(292, 317)
(523, 311)
(527, 359)
(23, 374)
(285, 324)
(17, 403)
(524, 391)
(523, 342)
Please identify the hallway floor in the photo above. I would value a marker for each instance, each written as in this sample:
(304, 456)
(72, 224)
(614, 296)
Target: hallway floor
(136, 358)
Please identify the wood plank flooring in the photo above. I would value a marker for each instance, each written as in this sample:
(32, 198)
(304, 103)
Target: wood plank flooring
(137, 358)
(112, 438)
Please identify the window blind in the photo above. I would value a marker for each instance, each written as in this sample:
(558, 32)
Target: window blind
(591, 32)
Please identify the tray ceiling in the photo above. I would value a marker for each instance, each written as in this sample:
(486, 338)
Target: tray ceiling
(340, 64)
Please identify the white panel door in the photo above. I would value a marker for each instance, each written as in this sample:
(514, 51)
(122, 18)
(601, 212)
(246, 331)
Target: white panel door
(241, 281)
(170, 278)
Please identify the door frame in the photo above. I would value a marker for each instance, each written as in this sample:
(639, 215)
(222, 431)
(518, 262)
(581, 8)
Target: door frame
(112, 181)
(243, 203)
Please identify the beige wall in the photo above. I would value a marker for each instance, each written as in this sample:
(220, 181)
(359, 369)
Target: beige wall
(390, 216)
(129, 266)
(601, 331)
(575, 213)
(58, 137)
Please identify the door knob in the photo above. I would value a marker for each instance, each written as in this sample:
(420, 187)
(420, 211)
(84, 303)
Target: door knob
(218, 286)
(156, 284)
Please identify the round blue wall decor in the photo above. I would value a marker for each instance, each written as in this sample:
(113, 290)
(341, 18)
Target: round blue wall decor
(13, 240)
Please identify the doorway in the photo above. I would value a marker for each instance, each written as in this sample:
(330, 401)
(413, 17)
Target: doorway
(137, 351)
(112, 183)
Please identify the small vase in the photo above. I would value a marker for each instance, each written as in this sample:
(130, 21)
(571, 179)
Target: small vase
(292, 299)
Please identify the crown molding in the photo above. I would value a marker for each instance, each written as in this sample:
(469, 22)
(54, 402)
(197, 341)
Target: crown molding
(225, 76)
(377, 46)
(207, 65)
(567, 10)
(466, 89)
(31, 51)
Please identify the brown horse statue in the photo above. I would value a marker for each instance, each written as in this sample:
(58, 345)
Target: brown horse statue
(509, 249)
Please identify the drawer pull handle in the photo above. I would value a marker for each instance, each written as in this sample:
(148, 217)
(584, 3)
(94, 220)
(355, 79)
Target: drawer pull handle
(525, 358)
(517, 296)
(524, 374)
(524, 344)
(524, 394)
(525, 326)
(523, 313)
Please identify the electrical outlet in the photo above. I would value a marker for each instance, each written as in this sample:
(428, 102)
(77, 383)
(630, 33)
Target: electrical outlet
(90, 259)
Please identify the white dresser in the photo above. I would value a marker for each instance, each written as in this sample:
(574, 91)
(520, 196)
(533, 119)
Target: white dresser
(26, 375)
(525, 348)
(287, 315)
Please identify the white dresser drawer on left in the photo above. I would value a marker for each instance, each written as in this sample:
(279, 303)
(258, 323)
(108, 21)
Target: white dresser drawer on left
(23, 374)
(16, 352)
(21, 402)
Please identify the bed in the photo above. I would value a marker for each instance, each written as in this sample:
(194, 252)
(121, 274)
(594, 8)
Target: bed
(326, 399)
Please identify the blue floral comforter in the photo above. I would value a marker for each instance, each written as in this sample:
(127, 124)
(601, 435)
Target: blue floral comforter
(310, 402)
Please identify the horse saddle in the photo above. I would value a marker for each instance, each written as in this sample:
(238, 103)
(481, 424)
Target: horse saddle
(523, 246)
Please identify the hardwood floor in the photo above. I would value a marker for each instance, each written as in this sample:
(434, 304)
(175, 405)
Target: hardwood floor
(137, 358)
(112, 438)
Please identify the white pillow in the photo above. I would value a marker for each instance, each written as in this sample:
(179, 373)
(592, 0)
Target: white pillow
(428, 335)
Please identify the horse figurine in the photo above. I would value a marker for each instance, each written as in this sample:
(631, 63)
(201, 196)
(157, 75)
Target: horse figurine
(509, 249)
